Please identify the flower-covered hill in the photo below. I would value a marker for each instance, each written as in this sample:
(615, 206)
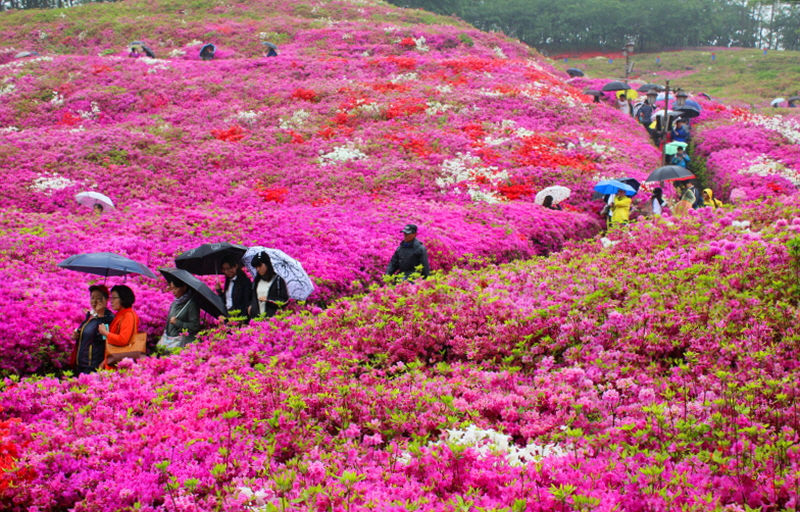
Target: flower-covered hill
(366, 121)
(657, 373)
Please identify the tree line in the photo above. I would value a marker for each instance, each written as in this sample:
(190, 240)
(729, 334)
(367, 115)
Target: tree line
(586, 25)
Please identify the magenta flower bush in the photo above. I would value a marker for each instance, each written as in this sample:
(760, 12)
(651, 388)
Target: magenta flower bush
(437, 125)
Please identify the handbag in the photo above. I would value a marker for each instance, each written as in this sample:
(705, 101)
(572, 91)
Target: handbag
(173, 342)
(138, 343)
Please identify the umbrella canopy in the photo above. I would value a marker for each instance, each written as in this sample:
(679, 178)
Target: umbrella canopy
(672, 147)
(633, 183)
(612, 186)
(573, 72)
(557, 192)
(298, 283)
(22, 55)
(662, 95)
(92, 198)
(692, 104)
(793, 99)
(616, 86)
(270, 45)
(688, 112)
(647, 87)
(630, 94)
(207, 51)
(592, 92)
(105, 264)
(208, 301)
(672, 113)
(706, 96)
(777, 101)
(669, 173)
(147, 51)
(207, 259)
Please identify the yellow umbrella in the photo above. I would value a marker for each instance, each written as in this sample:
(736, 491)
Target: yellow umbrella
(630, 94)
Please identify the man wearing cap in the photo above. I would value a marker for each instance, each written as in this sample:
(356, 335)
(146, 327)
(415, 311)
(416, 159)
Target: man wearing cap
(681, 132)
(409, 255)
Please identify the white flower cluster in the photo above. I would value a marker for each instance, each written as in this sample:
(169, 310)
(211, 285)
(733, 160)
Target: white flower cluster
(786, 127)
(490, 93)
(404, 77)
(743, 224)
(177, 52)
(82, 35)
(490, 441)
(92, 113)
(43, 35)
(194, 42)
(246, 117)
(765, 166)
(435, 107)
(7, 89)
(156, 65)
(465, 170)
(419, 44)
(341, 154)
(57, 99)
(594, 146)
(444, 89)
(499, 52)
(298, 119)
(50, 181)
(9, 129)
(370, 110)
(22, 62)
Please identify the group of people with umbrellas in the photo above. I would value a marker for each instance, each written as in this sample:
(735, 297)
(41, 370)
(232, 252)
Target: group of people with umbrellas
(103, 339)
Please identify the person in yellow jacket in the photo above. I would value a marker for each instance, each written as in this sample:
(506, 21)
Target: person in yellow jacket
(708, 199)
(621, 209)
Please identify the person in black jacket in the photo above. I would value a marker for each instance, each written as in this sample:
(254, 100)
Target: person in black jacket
(409, 255)
(90, 346)
(269, 289)
(236, 294)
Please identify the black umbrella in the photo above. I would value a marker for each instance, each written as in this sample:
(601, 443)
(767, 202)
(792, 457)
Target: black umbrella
(207, 259)
(270, 45)
(630, 181)
(669, 173)
(105, 264)
(573, 72)
(208, 301)
(147, 51)
(793, 99)
(647, 87)
(616, 86)
(592, 92)
(688, 112)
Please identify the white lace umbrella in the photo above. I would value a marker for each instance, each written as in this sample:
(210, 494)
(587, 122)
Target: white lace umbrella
(777, 101)
(92, 198)
(298, 283)
(558, 193)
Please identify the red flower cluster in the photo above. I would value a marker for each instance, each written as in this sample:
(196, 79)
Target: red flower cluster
(232, 134)
(406, 63)
(304, 94)
(69, 119)
(515, 189)
(542, 152)
(9, 452)
(275, 195)
(406, 107)
(472, 63)
(408, 43)
(101, 69)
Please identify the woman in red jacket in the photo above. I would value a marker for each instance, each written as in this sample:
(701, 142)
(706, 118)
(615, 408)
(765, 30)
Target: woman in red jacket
(126, 321)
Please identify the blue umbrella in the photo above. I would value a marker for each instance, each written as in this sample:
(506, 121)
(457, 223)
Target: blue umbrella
(693, 104)
(105, 264)
(612, 186)
(207, 51)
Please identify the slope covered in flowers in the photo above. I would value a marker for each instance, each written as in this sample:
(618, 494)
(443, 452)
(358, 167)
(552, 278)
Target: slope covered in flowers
(365, 110)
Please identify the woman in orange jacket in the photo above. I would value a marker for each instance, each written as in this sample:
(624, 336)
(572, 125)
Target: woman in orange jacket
(126, 321)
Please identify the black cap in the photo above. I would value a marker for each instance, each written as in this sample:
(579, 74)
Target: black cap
(410, 228)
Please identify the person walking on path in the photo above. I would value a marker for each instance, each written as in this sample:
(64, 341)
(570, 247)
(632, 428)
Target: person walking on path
(621, 209)
(410, 255)
(90, 346)
(708, 199)
(269, 289)
(681, 158)
(238, 287)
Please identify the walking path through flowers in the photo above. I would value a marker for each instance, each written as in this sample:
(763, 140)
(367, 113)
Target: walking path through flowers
(658, 372)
